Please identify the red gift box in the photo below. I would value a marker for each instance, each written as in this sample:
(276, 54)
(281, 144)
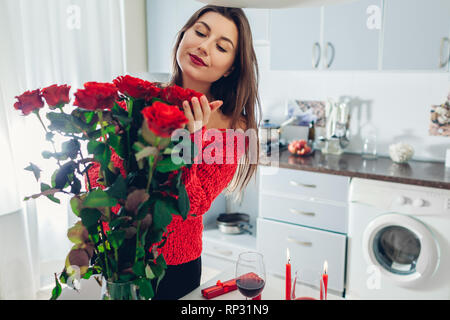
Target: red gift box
(219, 289)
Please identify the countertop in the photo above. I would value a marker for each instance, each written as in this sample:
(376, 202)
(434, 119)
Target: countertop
(421, 173)
(273, 290)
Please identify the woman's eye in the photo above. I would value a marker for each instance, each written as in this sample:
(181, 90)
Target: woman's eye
(221, 49)
(199, 34)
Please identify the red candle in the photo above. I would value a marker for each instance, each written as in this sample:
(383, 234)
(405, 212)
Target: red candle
(288, 276)
(324, 289)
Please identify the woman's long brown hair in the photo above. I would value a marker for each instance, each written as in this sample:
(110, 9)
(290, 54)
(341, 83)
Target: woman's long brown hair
(238, 91)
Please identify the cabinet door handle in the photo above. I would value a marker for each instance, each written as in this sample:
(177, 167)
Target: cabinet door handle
(329, 44)
(300, 243)
(315, 58)
(305, 213)
(446, 59)
(297, 184)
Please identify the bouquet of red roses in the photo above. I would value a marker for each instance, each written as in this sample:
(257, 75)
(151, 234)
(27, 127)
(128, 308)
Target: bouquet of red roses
(121, 222)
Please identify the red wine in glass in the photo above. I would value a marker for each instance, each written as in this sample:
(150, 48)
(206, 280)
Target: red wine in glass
(250, 274)
(250, 285)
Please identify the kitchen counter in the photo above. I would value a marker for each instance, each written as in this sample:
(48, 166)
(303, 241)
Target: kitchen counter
(421, 173)
(273, 290)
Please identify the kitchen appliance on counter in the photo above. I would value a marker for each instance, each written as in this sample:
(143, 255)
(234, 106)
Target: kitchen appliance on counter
(234, 223)
(337, 132)
(269, 136)
(398, 241)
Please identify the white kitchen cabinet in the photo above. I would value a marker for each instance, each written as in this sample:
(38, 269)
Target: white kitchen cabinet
(309, 248)
(164, 19)
(339, 37)
(306, 185)
(351, 34)
(306, 212)
(416, 34)
(295, 38)
(259, 24)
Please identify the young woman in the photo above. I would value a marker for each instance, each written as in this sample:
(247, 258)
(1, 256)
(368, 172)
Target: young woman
(214, 55)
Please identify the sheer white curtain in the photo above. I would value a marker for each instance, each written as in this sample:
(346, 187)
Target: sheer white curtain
(43, 42)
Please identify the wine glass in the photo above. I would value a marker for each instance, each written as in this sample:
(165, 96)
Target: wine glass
(308, 285)
(250, 274)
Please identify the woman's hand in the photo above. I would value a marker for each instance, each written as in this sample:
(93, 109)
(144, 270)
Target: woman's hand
(200, 113)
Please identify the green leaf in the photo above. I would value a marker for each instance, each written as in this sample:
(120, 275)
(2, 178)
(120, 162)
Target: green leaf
(149, 273)
(162, 216)
(116, 238)
(101, 152)
(88, 273)
(143, 209)
(140, 253)
(145, 288)
(62, 122)
(93, 145)
(183, 201)
(75, 186)
(99, 198)
(139, 268)
(56, 292)
(49, 136)
(76, 205)
(161, 261)
(167, 165)
(118, 189)
(45, 189)
(115, 142)
(89, 116)
(90, 217)
(62, 177)
(35, 169)
(71, 148)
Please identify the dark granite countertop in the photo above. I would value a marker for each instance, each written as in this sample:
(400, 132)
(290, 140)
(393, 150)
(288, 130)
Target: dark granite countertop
(422, 173)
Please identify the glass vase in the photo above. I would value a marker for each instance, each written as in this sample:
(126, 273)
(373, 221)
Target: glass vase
(119, 290)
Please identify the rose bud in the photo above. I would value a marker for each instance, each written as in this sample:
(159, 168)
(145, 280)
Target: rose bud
(56, 95)
(134, 199)
(29, 101)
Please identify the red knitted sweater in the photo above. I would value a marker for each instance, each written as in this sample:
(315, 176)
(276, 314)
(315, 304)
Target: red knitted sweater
(204, 181)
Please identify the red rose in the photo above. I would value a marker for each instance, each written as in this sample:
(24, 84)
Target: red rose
(163, 119)
(56, 95)
(122, 104)
(176, 95)
(136, 88)
(96, 96)
(29, 101)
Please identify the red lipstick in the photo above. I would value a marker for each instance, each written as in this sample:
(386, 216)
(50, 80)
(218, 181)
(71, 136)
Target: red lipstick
(197, 60)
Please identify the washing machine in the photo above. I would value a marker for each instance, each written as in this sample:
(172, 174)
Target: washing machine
(398, 241)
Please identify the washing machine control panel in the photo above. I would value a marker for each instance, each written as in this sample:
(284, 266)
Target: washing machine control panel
(418, 203)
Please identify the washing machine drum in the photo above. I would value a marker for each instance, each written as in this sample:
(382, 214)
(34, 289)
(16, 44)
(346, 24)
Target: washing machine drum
(402, 247)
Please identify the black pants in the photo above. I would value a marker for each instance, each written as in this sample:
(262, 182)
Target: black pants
(179, 280)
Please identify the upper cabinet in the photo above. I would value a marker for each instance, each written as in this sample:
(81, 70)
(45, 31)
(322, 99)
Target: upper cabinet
(295, 38)
(259, 24)
(416, 35)
(339, 37)
(362, 35)
(351, 34)
(164, 19)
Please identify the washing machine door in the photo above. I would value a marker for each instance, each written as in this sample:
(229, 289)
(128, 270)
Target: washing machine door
(402, 247)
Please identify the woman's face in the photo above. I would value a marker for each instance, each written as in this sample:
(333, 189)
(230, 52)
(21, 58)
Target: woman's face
(207, 50)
